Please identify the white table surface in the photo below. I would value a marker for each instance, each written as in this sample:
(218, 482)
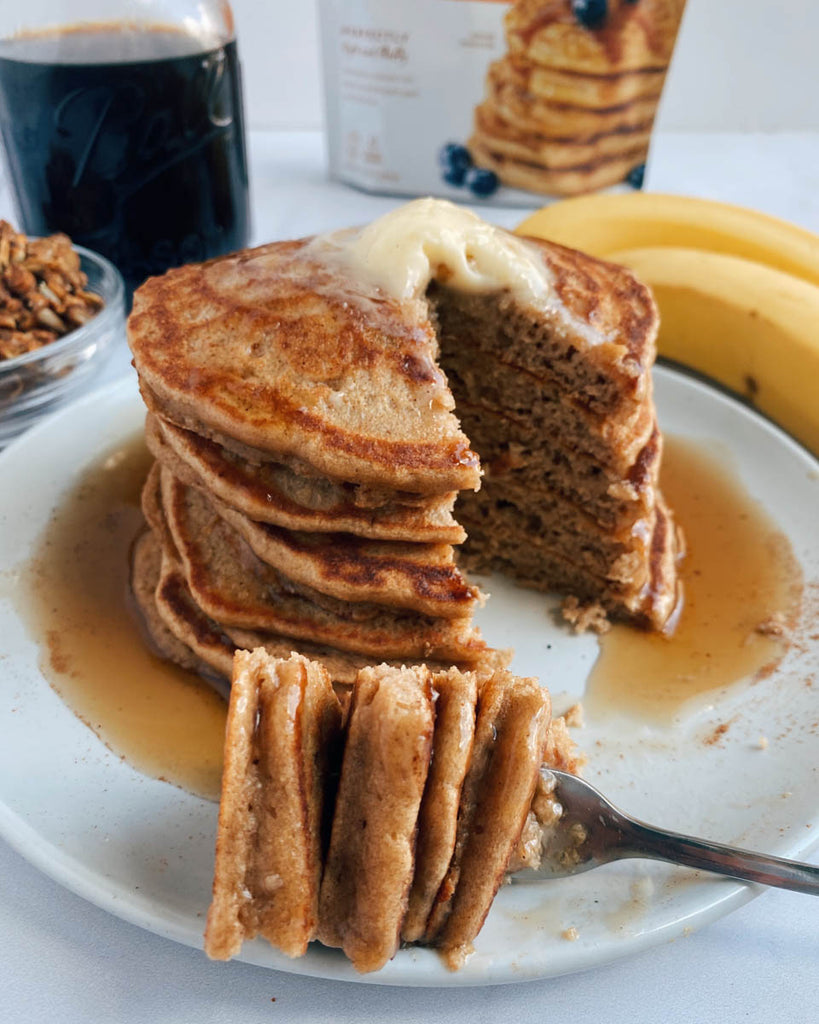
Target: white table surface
(63, 960)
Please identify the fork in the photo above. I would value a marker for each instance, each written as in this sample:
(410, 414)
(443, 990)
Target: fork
(590, 831)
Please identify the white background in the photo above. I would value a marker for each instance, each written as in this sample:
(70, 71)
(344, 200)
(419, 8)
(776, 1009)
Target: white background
(740, 65)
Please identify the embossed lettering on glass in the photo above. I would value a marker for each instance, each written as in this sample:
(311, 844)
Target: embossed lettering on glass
(122, 125)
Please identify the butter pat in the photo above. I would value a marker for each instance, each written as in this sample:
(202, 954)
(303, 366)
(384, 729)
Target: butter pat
(435, 240)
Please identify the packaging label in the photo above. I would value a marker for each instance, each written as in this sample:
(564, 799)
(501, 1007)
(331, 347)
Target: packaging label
(475, 99)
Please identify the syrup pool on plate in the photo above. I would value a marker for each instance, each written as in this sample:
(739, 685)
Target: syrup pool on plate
(742, 591)
(740, 576)
(74, 595)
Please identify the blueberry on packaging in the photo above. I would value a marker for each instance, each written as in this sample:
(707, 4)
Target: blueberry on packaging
(590, 13)
(636, 176)
(454, 176)
(482, 182)
(455, 161)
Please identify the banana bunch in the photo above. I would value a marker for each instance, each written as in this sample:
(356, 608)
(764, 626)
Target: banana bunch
(738, 291)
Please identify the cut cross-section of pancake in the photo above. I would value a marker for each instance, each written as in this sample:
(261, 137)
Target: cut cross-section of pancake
(510, 737)
(427, 802)
(283, 723)
(370, 861)
(456, 696)
(570, 447)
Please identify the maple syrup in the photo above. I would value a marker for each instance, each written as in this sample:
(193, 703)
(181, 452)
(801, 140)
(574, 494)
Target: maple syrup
(129, 138)
(742, 588)
(75, 598)
(739, 573)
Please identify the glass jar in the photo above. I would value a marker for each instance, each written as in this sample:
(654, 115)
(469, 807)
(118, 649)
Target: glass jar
(122, 125)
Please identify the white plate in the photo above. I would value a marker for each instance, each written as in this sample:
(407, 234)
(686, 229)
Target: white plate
(144, 850)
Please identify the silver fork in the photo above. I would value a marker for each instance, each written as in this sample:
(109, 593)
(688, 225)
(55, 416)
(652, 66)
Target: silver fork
(591, 832)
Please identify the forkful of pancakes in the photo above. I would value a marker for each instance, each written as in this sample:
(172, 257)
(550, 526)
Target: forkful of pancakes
(392, 812)
(390, 815)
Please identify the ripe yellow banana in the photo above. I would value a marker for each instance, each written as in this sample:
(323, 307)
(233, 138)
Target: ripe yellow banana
(753, 328)
(603, 224)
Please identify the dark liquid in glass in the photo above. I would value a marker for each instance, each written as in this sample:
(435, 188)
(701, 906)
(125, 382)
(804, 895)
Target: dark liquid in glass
(130, 140)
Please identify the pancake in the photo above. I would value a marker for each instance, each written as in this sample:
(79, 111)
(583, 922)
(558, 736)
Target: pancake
(370, 861)
(186, 620)
(186, 635)
(632, 36)
(235, 588)
(510, 96)
(421, 577)
(272, 493)
(555, 152)
(383, 362)
(510, 736)
(597, 92)
(146, 559)
(457, 694)
(283, 724)
(272, 348)
(568, 181)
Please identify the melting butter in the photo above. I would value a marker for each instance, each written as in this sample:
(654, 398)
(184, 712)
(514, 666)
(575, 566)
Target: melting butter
(435, 240)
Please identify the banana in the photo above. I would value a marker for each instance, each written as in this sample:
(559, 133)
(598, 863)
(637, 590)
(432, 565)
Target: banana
(753, 328)
(603, 224)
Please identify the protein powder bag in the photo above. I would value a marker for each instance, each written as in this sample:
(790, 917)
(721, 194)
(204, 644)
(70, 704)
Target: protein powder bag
(485, 98)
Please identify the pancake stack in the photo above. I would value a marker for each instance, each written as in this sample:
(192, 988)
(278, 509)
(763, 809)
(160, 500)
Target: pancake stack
(570, 107)
(252, 545)
(308, 455)
(437, 786)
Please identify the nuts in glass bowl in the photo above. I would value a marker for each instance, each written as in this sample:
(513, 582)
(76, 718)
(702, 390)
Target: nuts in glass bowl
(42, 291)
(61, 307)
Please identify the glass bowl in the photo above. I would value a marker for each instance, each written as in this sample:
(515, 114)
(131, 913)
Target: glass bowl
(36, 382)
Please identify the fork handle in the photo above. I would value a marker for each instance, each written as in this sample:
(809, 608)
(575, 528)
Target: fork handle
(660, 844)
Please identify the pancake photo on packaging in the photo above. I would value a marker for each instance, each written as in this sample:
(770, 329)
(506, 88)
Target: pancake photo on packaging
(570, 106)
